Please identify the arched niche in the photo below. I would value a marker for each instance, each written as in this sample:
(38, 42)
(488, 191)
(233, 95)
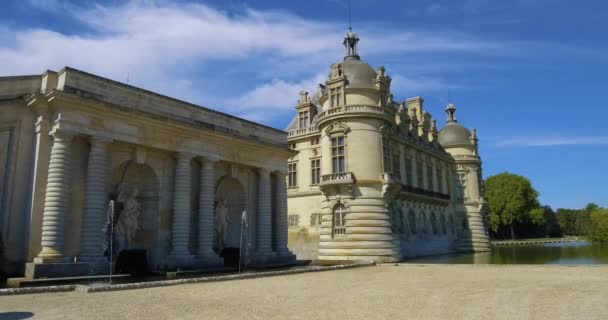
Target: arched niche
(231, 192)
(144, 179)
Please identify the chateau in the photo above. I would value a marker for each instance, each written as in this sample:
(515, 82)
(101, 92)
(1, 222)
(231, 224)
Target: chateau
(179, 177)
(374, 179)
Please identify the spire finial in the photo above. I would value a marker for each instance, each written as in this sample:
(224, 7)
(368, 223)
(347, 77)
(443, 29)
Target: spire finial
(450, 111)
(350, 25)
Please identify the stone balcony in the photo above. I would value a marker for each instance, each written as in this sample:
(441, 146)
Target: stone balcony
(301, 132)
(344, 178)
(354, 110)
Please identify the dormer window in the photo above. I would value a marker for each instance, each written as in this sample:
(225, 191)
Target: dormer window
(303, 119)
(335, 96)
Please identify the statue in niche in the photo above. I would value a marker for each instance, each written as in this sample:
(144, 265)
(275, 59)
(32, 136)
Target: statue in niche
(127, 223)
(222, 220)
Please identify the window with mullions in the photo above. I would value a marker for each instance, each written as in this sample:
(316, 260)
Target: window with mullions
(386, 154)
(335, 96)
(315, 166)
(303, 119)
(337, 155)
(339, 223)
(292, 178)
(408, 172)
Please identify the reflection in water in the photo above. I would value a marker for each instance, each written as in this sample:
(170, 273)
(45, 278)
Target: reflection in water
(569, 253)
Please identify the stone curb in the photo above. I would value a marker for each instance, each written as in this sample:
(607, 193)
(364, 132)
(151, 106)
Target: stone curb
(153, 284)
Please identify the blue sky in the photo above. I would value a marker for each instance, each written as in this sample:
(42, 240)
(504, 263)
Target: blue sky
(529, 75)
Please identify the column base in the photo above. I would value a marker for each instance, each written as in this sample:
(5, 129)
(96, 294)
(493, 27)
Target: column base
(182, 261)
(37, 270)
(209, 261)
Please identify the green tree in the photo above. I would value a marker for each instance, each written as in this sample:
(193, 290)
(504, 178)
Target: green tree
(566, 219)
(511, 200)
(598, 228)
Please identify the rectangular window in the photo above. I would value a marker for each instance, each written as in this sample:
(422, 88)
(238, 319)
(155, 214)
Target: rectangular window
(293, 145)
(408, 172)
(439, 179)
(293, 220)
(337, 155)
(314, 141)
(315, 219)
(386, 155)
(315, 166)
(292, 170)
(303, 119)
(396, 164)
(429, 176)
(420, 176)
(335, 96)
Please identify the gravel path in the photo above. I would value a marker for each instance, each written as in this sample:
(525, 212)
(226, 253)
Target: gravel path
(381, 292)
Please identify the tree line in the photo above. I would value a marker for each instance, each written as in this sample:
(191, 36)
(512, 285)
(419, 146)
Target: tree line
(515, 212)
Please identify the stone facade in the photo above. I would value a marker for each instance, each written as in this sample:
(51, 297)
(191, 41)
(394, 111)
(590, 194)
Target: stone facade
(374, 179)
(71, 141)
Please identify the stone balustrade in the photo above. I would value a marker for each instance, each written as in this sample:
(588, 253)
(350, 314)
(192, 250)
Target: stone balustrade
(337, 178)
(355, 109)
(301, 132)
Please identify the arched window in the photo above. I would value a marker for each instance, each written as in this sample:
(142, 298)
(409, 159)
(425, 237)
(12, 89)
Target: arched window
(434, 222)
(339, 221)
(442, 222)
(412, 220)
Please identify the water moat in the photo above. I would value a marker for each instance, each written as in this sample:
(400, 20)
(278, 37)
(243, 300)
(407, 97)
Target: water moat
(568, 253)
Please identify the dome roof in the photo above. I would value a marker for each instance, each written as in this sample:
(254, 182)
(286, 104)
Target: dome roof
(453, 134)
(359, 73)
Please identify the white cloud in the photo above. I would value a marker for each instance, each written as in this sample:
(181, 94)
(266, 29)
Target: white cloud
(160, 44)
(552, 141)
(278, 94)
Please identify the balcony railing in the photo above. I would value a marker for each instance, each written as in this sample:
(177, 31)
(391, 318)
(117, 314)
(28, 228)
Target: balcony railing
(391, 177)
(303, 131)
(354, 109)
(337, 178)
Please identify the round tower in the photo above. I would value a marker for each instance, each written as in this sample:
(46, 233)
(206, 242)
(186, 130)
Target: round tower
(355, 111)
(469, 201)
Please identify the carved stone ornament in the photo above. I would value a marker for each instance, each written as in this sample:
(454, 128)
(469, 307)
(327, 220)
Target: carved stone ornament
(337, 128)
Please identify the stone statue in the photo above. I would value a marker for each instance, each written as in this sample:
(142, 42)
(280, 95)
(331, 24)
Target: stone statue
(127, 224)
(222, 220)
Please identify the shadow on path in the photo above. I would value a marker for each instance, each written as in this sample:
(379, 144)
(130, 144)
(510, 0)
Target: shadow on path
(15, 315)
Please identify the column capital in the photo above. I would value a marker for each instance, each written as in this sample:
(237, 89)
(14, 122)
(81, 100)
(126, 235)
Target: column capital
(100, 139)
(209, 158)
(280, 173)
(263, 171)
(184, 155)
(63, 134)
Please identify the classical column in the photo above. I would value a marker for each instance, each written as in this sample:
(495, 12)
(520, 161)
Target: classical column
(181, 209)
(414, 170)
(281, 211)
(435, 183)
(205, 212)
(95, 201)
(57, 199)
(264, 218)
